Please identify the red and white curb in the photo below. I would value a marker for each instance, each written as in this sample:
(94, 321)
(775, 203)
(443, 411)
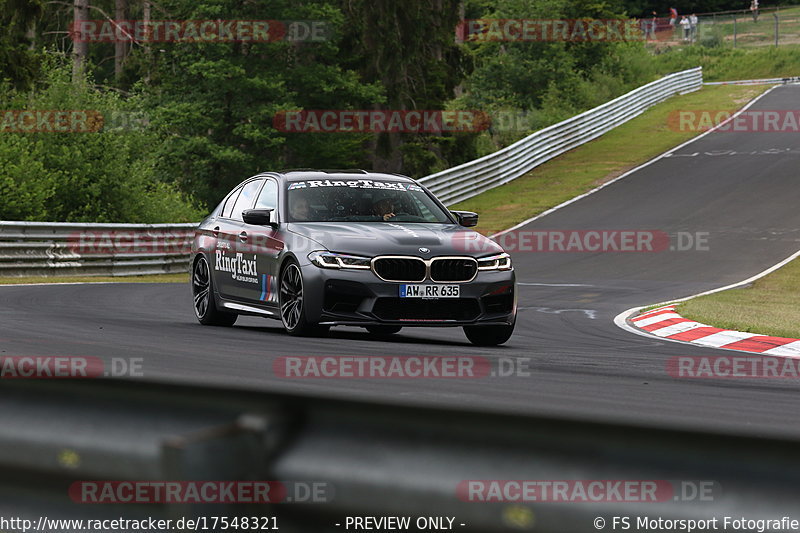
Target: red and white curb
(665, 323)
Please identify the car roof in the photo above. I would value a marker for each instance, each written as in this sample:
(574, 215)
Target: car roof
(346, 174)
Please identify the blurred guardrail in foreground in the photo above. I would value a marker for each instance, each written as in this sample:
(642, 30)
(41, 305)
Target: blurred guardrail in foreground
(465, 181)
(51, 248)
(371, 460)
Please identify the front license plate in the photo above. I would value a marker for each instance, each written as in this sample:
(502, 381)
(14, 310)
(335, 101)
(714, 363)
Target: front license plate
(430, 291)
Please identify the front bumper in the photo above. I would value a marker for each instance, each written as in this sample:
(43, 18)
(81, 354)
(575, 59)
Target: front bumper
(360, 298)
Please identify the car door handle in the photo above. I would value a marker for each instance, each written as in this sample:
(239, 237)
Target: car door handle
(215, 231)
(243, 236)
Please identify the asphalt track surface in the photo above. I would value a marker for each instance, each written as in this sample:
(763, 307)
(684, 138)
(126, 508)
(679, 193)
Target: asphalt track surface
(742, 189)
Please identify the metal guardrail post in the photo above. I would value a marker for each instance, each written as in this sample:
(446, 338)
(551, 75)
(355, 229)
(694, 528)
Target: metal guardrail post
(776, 27)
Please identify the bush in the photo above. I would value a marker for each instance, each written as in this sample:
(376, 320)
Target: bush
(83, 176)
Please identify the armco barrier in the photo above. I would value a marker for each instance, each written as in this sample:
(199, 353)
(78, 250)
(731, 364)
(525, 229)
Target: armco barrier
(465, 181)
(765, 81)
(371, 459)
(50, 248)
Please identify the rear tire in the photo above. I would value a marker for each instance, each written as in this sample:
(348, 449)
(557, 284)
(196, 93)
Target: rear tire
(205, 306)
(383, 331)
(292, 304)
(488, 335)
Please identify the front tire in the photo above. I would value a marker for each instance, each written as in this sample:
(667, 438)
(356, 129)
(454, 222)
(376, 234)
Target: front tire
(292, 304)
(488, 335)
(205, 306)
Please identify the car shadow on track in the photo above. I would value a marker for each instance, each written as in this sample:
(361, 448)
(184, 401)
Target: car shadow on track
(356, 335)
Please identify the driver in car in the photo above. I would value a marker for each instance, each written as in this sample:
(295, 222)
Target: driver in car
(384, 208)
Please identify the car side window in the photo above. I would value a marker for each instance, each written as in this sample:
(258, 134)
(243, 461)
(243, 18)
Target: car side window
(268, 199)
(227, 209)
(246, 198)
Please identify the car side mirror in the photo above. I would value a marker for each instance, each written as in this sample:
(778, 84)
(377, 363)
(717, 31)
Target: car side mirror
(467, 219)
(257, 217)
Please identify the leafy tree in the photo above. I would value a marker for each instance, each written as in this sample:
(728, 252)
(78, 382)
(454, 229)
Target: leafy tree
(408, 48)
(19, 60)
(214, 102)
(83, 175)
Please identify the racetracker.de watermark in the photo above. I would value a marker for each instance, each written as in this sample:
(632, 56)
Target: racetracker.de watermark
(151, 241)
(586, 490)
(398, 367)
(209, 31)
(733, 367)
(68, 367)
(748, 121)
(543, 30)
(380, 121)
(200, 492)
(69, 121)
(583, 241)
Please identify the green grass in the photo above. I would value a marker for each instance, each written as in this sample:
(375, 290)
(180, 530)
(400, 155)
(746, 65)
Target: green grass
(770, 306)
(726, 64)
(594, 163)
(763, 30)
(160, 278)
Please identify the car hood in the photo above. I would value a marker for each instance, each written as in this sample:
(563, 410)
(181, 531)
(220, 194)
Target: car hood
(396, 238)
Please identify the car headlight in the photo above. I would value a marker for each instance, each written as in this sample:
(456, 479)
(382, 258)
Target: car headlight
(495, 262)
(334, 260)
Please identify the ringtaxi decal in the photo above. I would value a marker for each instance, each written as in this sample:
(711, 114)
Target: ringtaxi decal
(239, 267)
(357, 184)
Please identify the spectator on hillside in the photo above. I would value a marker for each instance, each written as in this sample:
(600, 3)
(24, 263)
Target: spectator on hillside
(673, 20)
(649, 27)
(673, 16)
(754, 10)
(693, 26)
(685, 24)
(653, 25)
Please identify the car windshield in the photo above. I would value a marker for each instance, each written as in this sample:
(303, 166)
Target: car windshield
(362, 201)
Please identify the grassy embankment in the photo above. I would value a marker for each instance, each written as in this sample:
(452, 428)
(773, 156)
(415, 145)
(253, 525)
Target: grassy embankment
(770, 306)
(599, 161)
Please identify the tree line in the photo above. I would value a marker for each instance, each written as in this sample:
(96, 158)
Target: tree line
(185, 121)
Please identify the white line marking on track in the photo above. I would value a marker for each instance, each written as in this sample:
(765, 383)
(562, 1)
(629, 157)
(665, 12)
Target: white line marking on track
(556, 284)
(73, 283)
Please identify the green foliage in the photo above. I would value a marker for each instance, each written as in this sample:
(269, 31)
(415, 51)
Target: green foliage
(214, 103)
(19, 62)
(83, 176)
(408, 49)
(545, 82)
(210, 106)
